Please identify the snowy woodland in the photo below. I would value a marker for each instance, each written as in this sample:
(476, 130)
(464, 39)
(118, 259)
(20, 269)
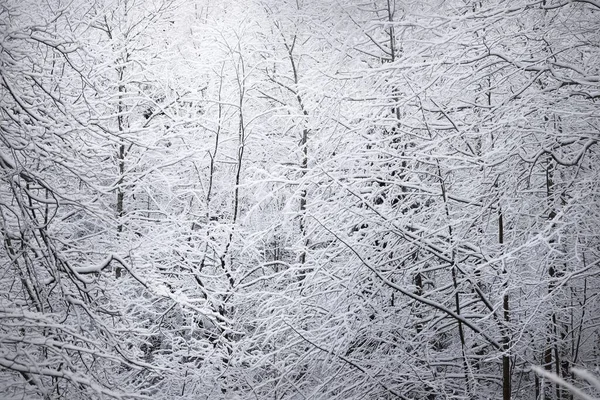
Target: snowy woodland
(299, 199)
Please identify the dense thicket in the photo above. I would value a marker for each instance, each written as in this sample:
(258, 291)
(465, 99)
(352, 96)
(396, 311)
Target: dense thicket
(287, 199)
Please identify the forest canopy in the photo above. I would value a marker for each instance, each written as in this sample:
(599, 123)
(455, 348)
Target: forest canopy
(277, 199)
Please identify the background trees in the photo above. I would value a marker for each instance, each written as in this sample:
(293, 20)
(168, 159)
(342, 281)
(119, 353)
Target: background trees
(293, 200)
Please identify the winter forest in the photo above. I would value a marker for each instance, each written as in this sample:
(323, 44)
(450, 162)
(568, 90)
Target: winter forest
(300, 199)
